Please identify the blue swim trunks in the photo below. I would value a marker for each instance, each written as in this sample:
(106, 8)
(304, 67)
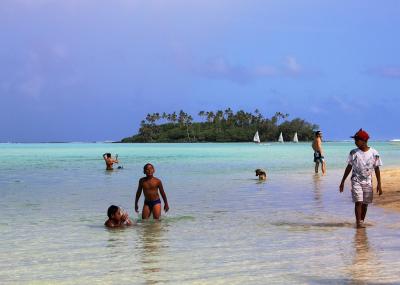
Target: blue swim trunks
(151, 204)
(318, 157)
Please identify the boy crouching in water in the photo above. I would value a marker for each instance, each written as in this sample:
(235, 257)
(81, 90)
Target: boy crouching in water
(262, 174)
(117, 217)
(150, 186)
(363, 160)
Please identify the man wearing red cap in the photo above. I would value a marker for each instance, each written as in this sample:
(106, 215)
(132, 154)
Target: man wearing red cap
(363, 161)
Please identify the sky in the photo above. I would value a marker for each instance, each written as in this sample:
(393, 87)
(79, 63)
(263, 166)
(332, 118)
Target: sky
(90, 70)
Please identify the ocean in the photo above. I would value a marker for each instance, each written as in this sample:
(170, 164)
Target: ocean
(223, 227)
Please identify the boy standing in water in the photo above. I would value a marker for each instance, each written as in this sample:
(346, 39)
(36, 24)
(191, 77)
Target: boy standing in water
(109, 160)
(318, 154)
(363, 160)
(150, 186)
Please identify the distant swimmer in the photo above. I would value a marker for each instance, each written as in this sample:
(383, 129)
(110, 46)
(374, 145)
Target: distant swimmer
(109, 160)
(318, 152)
(117, 217)
(150, 186)
(262, 174)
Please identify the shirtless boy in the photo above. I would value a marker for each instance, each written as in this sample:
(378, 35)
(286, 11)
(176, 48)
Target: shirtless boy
(262, 174)
(318, 154)
(109, 160)
(150, 186)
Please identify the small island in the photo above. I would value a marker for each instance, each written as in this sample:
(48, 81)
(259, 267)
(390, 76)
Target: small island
(220, 126)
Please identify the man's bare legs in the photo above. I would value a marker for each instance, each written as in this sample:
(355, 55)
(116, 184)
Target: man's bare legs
(323, 167)
(360, 211)
(146, 212)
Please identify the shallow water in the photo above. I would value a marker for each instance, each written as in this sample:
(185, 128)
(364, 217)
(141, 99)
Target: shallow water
(224, 226)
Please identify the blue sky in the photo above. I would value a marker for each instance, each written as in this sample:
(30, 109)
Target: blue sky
(91, 70)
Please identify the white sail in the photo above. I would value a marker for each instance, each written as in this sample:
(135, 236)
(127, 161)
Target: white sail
(256, 138)
(295, 138)
(280, 138)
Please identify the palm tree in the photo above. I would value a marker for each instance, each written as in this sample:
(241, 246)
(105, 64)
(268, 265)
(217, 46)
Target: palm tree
(210, 116)
(181, 117)
(202, 114)
(229, 116)
(188, 122)
(174, 117)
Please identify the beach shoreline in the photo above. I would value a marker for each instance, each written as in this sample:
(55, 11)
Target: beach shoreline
(390, 199)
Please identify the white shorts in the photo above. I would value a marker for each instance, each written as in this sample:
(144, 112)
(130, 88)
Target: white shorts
(362, 193)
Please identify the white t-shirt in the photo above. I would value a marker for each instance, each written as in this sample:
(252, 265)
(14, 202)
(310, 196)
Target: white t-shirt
(363, 164)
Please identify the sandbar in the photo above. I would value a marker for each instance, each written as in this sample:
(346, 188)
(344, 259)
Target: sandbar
(390, 199)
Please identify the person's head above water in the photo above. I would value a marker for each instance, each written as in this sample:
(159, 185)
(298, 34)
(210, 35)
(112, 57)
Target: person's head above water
(117, 217)
(108, 154)
(261, 173)
(148, 169)
(112, 211)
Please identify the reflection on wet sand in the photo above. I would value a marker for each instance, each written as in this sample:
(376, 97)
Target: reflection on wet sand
(152, 247)
(317, 189)
(364, 266)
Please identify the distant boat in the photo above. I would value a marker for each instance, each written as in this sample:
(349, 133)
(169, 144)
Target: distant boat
(256, 138)
(280, 138)
(395, 140)
(295, 138)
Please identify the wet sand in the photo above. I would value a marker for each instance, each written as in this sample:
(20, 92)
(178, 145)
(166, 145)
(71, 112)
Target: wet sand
(390, 198)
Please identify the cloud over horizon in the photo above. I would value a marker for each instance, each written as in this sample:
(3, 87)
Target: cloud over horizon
(220, 68)
(386, 72)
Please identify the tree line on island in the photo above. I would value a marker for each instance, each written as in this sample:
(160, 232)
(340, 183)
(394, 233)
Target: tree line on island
(220, 126)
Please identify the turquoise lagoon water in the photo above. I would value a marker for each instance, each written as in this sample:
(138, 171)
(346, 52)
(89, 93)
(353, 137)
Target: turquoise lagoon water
(224, 227)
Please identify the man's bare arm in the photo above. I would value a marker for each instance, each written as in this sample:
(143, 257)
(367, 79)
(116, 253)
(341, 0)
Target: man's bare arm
(378, 180)
(162, 192)
(319, 146)
(138, 193)
(346, 173)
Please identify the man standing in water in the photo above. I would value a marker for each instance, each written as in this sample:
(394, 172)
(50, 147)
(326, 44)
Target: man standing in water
(318, 154)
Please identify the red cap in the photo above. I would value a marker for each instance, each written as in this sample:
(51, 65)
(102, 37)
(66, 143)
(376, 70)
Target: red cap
(361, 135)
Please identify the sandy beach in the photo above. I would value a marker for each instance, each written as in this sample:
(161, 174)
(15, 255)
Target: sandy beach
(390, 198)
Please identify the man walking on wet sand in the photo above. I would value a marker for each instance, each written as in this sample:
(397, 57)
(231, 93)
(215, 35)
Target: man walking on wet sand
(318, 154)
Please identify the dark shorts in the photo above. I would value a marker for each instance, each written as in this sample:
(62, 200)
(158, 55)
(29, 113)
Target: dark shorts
(151, 204)
(318, 157)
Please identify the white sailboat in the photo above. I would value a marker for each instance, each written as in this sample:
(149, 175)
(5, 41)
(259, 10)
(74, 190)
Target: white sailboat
(256, 138)
(280, 138)
(295, 138)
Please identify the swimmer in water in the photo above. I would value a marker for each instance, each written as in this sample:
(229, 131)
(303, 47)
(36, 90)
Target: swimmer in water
(262, 174)
(117, 218)
(109, 160)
